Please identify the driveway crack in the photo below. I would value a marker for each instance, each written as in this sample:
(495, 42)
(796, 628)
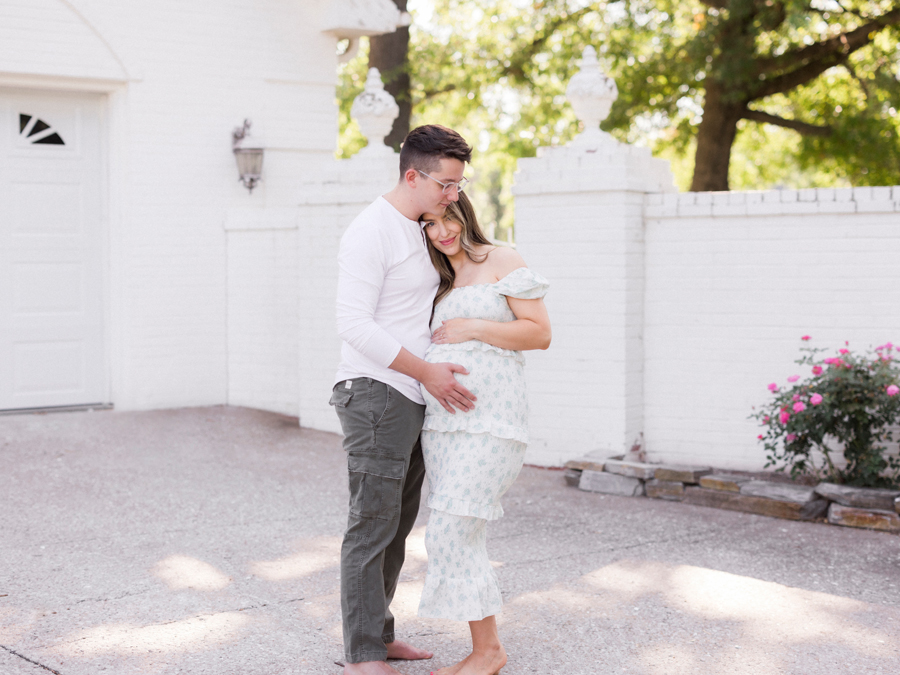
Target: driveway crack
(22, 656)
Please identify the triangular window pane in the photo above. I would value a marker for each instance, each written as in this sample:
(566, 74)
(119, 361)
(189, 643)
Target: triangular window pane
(52, 139)
(39, 126)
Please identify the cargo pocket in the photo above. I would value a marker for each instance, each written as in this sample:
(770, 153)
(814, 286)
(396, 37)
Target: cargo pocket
(340, 398)
(375, 486)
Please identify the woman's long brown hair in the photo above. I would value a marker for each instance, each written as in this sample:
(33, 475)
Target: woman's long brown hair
(462, 212)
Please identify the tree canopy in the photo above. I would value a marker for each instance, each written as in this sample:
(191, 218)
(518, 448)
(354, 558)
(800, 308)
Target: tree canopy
(736, 93)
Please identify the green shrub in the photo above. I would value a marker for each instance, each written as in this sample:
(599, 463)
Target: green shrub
(847, 401)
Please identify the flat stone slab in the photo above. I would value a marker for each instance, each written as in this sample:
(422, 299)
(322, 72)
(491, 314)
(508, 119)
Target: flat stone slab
(630, 469)
(665, 489)
(573, 477)
(780, 491)
(861, 498)
(723, 481)
(872, 519)
(763, 506)
(683, 473)
(610, 483)
(585, 463)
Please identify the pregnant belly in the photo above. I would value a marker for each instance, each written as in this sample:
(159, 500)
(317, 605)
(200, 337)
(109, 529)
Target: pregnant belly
(492, 374)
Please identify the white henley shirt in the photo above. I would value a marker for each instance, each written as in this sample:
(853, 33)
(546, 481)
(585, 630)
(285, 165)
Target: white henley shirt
(386, 288)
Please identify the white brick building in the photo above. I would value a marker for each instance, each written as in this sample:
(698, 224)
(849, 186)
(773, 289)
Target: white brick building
(134, 268)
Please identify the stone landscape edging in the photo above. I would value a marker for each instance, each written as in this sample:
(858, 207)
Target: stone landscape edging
(870, 508)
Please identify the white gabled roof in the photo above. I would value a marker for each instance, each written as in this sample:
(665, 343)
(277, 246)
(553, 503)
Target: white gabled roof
(355, 18)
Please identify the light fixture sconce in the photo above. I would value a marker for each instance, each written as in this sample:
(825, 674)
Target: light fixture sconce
(249, 156)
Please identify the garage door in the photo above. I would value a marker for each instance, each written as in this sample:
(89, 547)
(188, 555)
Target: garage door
(51, 251)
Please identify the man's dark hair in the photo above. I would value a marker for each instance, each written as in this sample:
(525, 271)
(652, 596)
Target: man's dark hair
(425, 146)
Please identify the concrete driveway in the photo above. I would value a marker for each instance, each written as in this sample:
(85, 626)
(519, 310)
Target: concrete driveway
(205, 541)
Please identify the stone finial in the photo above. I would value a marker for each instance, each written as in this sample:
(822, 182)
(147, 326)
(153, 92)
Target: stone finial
(375, 111)
(591, 94)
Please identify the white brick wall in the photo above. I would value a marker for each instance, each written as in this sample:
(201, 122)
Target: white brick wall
(672, 312)
(579, 222)
(729, 296)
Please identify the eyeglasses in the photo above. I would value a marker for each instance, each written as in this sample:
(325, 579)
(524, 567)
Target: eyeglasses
(460, 186)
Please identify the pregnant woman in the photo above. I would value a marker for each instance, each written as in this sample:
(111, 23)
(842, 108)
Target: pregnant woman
(487, 310)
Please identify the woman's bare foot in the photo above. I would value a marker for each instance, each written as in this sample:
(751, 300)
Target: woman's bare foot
(487, 662)
(402, 650)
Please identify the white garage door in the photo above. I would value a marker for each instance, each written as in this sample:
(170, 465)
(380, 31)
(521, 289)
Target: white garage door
(51, 251)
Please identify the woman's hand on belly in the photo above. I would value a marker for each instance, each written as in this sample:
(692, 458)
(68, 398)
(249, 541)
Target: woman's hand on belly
(457, 330)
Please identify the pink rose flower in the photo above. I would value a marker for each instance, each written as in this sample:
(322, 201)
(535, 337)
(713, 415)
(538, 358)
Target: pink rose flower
(799, 406)
(773, 387)
(795, 397)
(817, 370)
(766, 419)
(893, 390)
(790, 437)
(844, 351)
(784, 417)
(815, 399)
(760, 437)
(806, 337)
(889, 345)
(830, 360)
(793, 378)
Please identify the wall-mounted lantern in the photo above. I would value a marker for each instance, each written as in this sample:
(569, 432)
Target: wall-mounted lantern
(248, 153)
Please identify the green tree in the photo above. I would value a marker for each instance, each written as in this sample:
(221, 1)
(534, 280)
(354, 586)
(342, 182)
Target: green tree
(762, 91)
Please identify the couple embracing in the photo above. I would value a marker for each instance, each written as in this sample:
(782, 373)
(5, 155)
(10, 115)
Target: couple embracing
(433, 319)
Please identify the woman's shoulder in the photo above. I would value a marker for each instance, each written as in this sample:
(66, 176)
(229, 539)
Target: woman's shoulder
(504, 260)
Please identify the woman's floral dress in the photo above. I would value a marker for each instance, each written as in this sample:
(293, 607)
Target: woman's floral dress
(472, 458)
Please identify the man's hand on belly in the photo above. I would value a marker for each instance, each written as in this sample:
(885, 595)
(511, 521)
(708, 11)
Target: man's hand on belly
(440, 383)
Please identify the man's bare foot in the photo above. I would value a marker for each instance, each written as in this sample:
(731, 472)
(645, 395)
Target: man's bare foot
(369, 668)
(483, 663)
(401, 650)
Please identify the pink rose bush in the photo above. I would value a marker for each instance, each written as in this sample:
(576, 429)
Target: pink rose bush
(847, 405)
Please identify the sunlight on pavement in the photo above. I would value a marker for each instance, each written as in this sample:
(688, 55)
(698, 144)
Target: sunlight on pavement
(200, 632)
(767, 611)
(415, 546)
(317, 555)
(680, 619)
(181, 571)
(406, 598)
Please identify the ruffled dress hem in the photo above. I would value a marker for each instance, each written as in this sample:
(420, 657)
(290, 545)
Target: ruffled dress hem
(471, 346)
(471, 599)
(473, 425)
(464, 507)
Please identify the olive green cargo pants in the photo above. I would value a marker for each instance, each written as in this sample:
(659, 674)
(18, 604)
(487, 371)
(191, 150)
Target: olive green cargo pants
(386, 469)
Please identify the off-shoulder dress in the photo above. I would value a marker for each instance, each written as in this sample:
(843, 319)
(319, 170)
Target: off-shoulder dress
(472, 458)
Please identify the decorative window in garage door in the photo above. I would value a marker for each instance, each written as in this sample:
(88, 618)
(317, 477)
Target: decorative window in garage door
(40, 133)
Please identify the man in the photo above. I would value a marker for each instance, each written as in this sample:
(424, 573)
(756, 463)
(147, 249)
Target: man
(386, 288)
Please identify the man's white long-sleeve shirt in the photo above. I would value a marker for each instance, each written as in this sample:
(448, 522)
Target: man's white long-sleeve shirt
(386, 288)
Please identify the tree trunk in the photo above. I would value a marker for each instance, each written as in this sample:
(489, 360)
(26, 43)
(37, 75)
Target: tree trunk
(389, 53)
(714, 140)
